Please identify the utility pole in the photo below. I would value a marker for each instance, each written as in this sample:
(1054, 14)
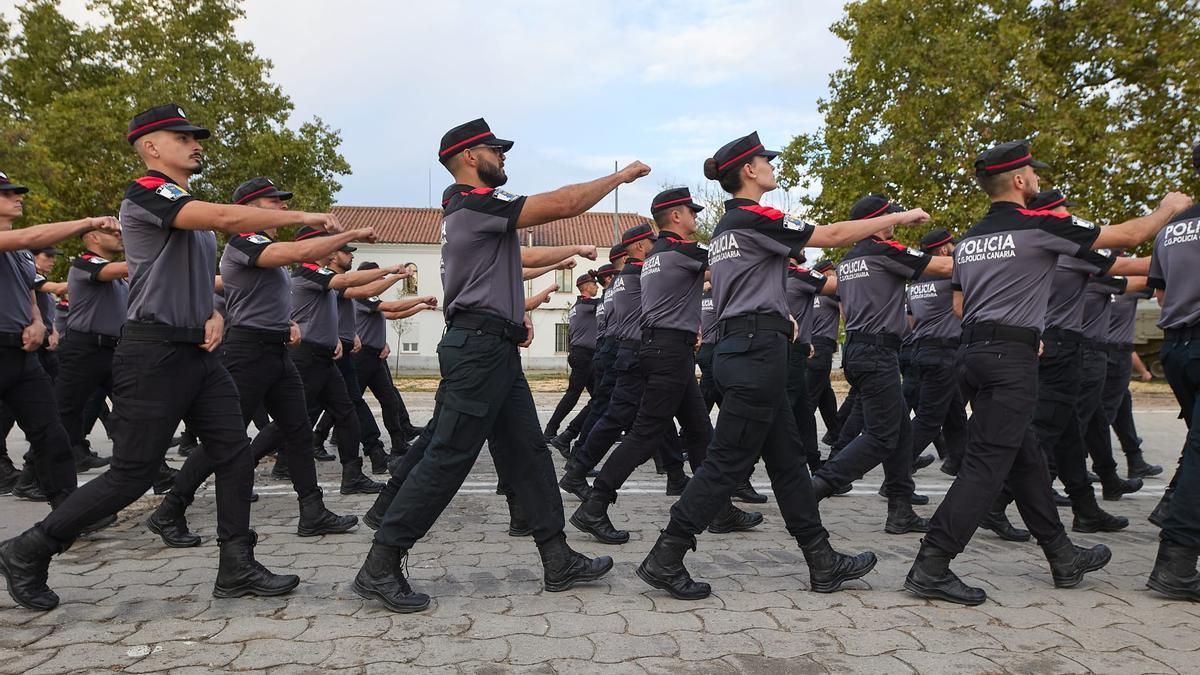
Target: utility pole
(616, 210)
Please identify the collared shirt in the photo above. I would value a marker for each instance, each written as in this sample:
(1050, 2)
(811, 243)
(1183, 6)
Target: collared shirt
(96, 306)
(625, 318)
(801, 286)
(17, 274)
(581, 322)
(369, 322)
(672, 280)
(255, 297)
(314, 305)
(481, 253)
(1173, 269)
(931, 303)
(871, 283)
(749, 255)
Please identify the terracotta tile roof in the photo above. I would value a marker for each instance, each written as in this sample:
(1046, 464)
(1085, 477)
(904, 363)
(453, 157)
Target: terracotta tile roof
(407, 225)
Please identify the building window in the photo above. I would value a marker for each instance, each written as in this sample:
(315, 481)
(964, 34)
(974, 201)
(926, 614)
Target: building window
(562, 338)
(565, 281)
(410, 282)
(408, 347)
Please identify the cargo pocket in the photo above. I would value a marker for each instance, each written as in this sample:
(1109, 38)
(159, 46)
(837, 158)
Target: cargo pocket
(455, 338)
(740, 424)
(141, 425)
(460, 421)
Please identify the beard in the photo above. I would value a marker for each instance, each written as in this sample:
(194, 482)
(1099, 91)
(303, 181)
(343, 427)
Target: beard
(492, 175)
(1029, 193)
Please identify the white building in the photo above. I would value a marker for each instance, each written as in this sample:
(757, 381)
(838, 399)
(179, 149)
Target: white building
(410, 237)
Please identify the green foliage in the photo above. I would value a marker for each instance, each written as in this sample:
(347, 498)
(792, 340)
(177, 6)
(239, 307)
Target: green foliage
(1106, 89)
(67, 92)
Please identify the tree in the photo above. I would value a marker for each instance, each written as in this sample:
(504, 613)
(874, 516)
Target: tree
(1105, 89)
(67, 92)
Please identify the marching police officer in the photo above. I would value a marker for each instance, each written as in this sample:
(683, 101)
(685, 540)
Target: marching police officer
(663, 375)
(255, 352)
(936, 331)
(802, 286)
(581, 333)
(164, 368)
(708, 342)
(1173, 276)
(827, 321)
(748, 257)
(1002, 269)
(483, 392)
(871, 283)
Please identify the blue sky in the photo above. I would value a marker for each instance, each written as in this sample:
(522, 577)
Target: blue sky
(577, 85)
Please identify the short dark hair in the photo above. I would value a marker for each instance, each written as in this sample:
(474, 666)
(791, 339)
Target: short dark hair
(994, 185)
(662, 217)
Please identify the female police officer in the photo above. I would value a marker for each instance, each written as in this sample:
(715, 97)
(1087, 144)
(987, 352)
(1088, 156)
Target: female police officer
(748, 257)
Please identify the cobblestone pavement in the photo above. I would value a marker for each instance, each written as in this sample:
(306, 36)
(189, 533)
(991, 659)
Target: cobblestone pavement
(130, 604)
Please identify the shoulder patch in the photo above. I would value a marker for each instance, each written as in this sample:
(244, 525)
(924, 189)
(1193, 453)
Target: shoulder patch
(39, 279)
(1080, 222)
(258, 239)
(915, 252)
(374, 298)
(170, 191)
(325, 270)
(504, 196)
(794, 223)
(702, 246)
(95, 259)
(815, 274)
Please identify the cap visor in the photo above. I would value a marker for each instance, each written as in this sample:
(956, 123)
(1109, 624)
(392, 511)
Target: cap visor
(13, 187)
(198, 132)
(1038, 165)
(501, 143)
(281, 194)
(348, 249)
(695, 207)
(769, 154)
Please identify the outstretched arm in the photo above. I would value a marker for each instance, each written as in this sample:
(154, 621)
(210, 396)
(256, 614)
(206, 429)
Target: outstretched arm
(572, 200)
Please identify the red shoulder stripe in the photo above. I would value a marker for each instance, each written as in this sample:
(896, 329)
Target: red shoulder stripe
(895, 244)
(1039, 213)
(149, 182)
(765, 211)
(479, 191)
(310, 266)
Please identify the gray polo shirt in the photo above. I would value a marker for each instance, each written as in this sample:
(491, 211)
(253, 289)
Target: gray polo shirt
(481, 254)
(1123, 316)
(802, 285)
(45, 302)
(1004, 263)
(672, 280)
(1071, 276)
(931, 303)
(749, 256)
(369, 322)
(827, 316)
(871, 283)
(708, 318)
(170, 270)
(96, 306)
(17, 273)
(256, 297)
(314, 305)
(625, 319)
(581, 323)
(1097, 306)
(1173, 269)
(604, 310)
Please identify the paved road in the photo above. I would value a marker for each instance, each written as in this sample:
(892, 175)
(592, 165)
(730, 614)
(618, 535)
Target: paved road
(129, 604)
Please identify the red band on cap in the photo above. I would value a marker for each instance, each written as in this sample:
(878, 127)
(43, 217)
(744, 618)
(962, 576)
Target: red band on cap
(1014, 162)
(638, 238)
(618, 256)
(875, 213)
(673, 201)
(936, 244)
(604, 273)
(156, 123)
(469, 140)
(314, 233)
(754, 149)
(250, 196)
(1047, 207)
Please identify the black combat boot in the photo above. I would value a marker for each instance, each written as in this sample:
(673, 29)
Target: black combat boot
(1159, 514)
(1089, 517)
(951, 466)
(930, 577)
(915, 499)
(822, 489)
(280, 470)
(574, 481)
(86, 460)
(399, 445)
(321, 454)
(518, 521)
(165, 480)
(8, 474)
(355, 483)
(1068, 562)
(592, 518)
(901, 519)
(27, 486)
(188, 443)
(677, 480)
(997, 522)
(745, 492)
(382, 578)
(170, 522)
(374, 516)
(315, 519)
(663, 568)
(562, 442)
(922, 461)
(1114, 487)
(1138, 468)
(828, 569)
(733, 519)
(240, 574)
(563, 568)
(1174, 572)
(25, 564)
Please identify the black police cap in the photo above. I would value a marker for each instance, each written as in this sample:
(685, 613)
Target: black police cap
(9, 186)
(936, 237)
(257, 188)
(158, 118)
(469, 135)
(873, 205)
(732, 154)
(822, 265)
(1196, 157)
(1049, 199)
(368, 265)
(680, 196)
(605, 270)
(48, 250)
(584, 279)
(617, 252)
(637, 233)
(308, 232)
(1006, 157)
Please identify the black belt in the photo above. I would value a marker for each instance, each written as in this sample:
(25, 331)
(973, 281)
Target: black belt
(671, 334)
(997, 332)
(481, 322)
(879, 339)
(944, 343)
(827, 342)
(752, 323)
(98, 339)
(239, 334)
(804, 346)
(161, 332)
(1063, 335)
(591, 351)
(319, 350)
(369, 348)
(11, 340)
(629, 344)
(1185, 334)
